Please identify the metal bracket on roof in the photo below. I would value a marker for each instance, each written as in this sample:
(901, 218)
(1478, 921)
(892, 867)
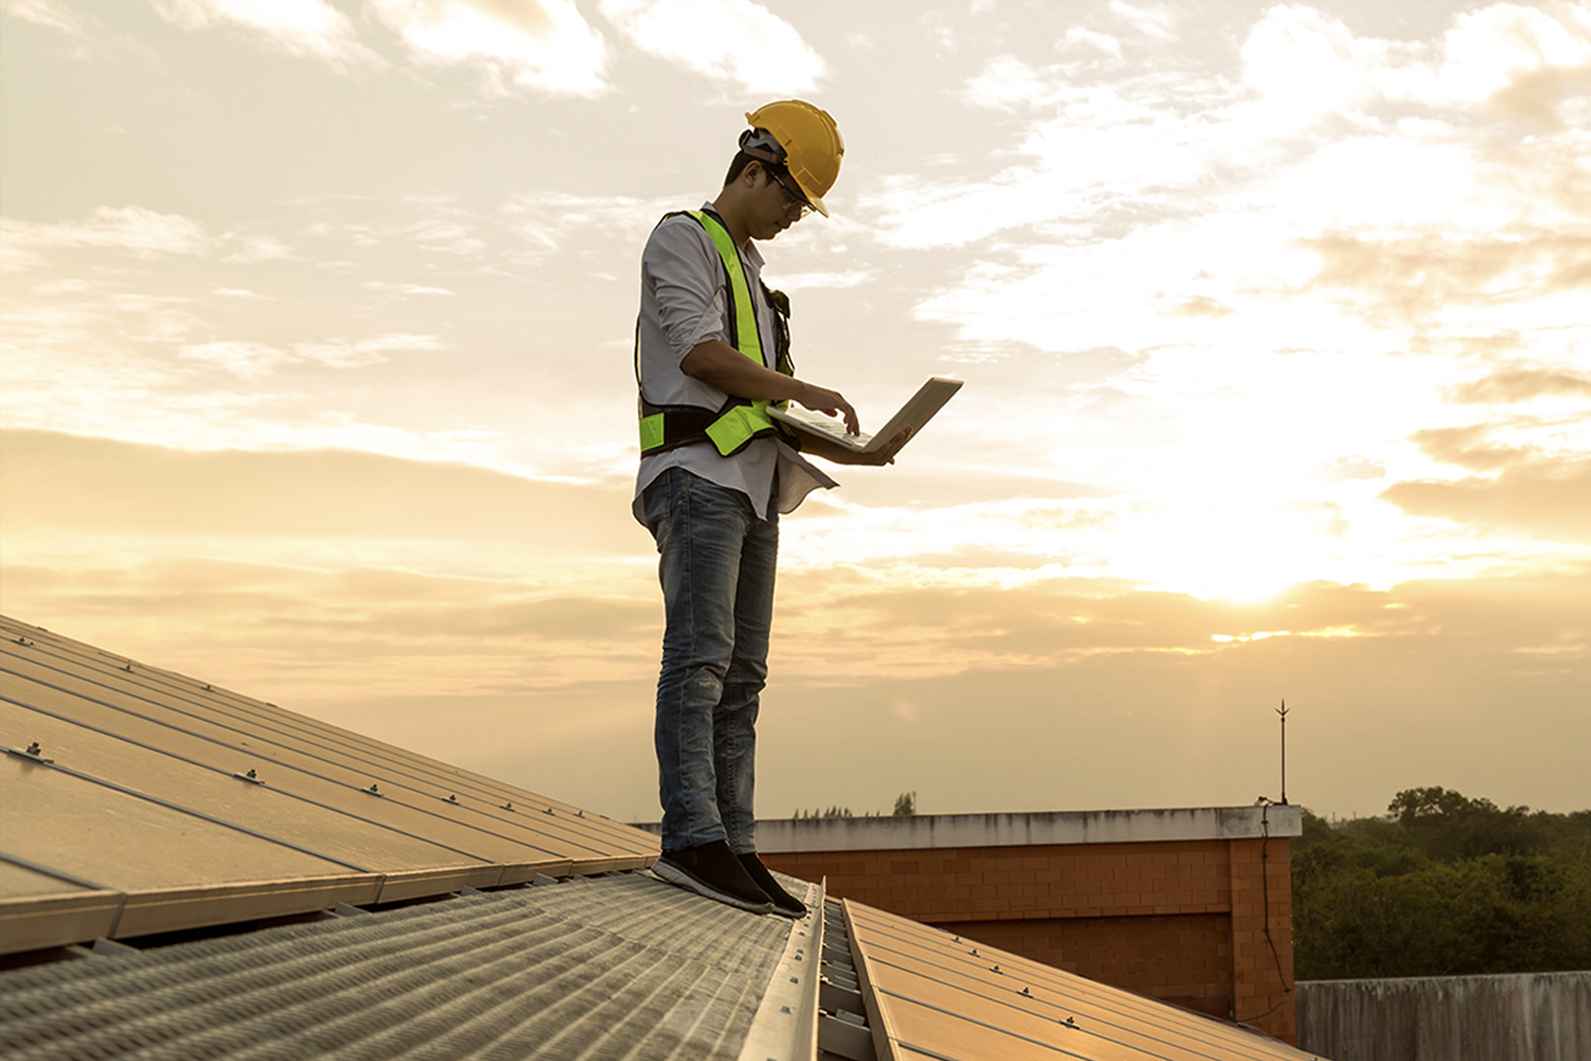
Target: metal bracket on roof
(372, 790)
(838, 992)
(33, 754)
(845, 1035)
(844, 1029)
(252, 777)
(103, 946)
(509, 805)
(453, 799)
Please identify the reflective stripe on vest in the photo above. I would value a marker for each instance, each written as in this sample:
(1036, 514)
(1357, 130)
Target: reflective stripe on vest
(736, 424)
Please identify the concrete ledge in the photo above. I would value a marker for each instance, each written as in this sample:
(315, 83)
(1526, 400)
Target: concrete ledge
(786, 835)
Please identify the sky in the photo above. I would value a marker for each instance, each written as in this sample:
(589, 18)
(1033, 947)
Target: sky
(316, 383)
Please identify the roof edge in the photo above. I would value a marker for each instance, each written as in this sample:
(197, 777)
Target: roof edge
(1030, 829)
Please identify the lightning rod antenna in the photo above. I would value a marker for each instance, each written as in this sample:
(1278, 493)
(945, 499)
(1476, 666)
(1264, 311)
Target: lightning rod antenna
(1283, 714)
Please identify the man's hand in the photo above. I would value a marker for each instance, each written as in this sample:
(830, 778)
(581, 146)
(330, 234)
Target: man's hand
(720, 365)
(830, 403)
(886, 455)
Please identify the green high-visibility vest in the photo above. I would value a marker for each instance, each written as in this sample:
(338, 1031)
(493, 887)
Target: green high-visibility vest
(734, 425)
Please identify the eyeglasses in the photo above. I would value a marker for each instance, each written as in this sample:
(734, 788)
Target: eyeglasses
(798, 203)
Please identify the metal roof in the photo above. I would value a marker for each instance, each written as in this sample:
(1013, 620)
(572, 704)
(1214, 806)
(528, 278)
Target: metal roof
(931, 994)
(141, 801)
(142, 805)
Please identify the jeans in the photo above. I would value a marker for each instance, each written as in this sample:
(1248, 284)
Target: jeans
(716, 565)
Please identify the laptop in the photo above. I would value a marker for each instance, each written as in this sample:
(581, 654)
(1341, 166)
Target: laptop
(917, 411)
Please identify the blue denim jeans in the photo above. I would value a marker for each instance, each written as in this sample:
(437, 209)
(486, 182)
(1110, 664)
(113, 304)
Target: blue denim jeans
(716, 565)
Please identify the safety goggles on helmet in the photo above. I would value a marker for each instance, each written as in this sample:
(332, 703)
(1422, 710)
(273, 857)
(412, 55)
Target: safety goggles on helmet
(795, 202)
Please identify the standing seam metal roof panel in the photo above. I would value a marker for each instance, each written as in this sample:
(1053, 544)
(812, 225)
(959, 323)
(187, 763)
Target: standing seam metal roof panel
(125, 808)
(254, 728)
(938, 995)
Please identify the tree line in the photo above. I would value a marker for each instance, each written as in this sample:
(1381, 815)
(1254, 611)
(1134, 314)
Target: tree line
(1444, 885)
(905, 807)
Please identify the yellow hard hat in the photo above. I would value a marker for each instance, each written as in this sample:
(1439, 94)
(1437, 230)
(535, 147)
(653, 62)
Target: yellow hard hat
(811, 143)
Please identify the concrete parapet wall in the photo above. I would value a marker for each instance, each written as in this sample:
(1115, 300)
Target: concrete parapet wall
(1523, 1017)
(1025, 830)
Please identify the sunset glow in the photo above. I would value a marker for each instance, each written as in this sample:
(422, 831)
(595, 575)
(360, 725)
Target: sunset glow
(1275, 322)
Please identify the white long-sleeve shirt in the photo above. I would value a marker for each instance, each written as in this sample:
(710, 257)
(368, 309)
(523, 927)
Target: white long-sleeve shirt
(683, 292)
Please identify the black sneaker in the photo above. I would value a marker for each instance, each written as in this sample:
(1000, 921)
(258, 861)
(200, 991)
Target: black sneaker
(712, 870)
(784, 904)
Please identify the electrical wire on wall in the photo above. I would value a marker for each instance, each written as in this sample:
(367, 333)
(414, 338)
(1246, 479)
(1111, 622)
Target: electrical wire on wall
(1266, 803)
(1265, 886)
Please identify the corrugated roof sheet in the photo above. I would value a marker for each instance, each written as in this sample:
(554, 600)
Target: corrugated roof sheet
(620, 966)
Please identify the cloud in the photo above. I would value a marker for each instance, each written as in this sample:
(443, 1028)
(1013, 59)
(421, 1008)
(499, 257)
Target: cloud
(1102, 41)
(261, 249)
(558, 223)
(247, 569)
(405, 291)
(1092, 161)
(1467, 447)
(1203, 306)
(1097, 147)
(308, 28)
(734, 41)
(251, 360)
(76, 484)
(138, 231)
(538, 45)
(1524, 61)
(52, 14)
(1007, 83)
(1079, 682)
(1549, 500)
(838, 279)
(329, 573)
(1157, 21)
(243, 294)
(243, 359)
(1520, 383)
(351, 634)
(1425, 276)
(1532, 477)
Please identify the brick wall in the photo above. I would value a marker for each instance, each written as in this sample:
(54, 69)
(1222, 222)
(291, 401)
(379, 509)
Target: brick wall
(1180, 920)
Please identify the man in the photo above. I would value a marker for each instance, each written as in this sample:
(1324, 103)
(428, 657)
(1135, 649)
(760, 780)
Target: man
(716, 472)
